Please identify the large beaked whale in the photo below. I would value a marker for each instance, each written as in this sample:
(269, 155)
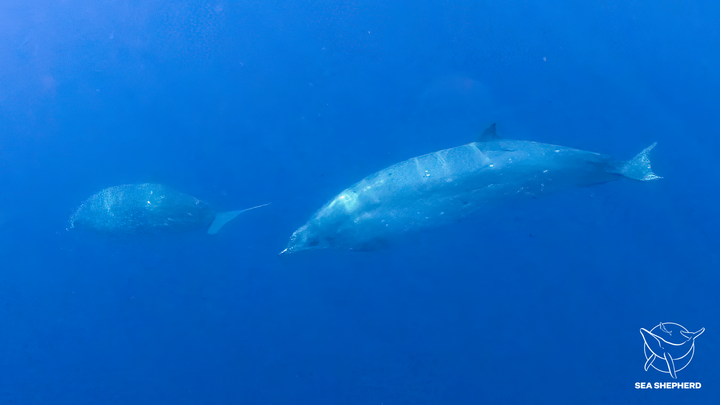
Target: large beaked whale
(670, 352)
(441, 187)
(148, 208)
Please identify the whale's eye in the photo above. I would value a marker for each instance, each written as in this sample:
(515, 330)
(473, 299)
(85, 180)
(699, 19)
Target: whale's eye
(314, 242)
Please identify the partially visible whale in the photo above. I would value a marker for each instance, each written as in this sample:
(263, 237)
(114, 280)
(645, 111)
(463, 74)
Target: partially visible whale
(441, 187)
(148, 208)
(660, 348)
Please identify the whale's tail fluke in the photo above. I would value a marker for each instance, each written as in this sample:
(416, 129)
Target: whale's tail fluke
(638, 168)
(692, 335)
(224, 217)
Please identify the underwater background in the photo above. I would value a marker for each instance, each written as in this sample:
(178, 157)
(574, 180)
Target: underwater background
(248, 102)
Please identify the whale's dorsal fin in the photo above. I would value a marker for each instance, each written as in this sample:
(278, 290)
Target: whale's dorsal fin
(489, 134)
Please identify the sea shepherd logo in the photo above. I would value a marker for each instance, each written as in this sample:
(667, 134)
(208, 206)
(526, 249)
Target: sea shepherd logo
(669, 347)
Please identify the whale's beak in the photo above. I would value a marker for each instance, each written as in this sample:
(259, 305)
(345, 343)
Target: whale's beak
(302, 239)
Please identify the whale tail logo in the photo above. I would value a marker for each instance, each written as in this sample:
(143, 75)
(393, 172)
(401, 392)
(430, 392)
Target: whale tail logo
(672, 344)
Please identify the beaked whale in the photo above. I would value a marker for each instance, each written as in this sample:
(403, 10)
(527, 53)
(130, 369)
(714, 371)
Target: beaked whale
(146, 209)
(443, 186)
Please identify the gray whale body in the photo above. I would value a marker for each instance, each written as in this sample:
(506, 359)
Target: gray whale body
(147, 208)
(441, 187)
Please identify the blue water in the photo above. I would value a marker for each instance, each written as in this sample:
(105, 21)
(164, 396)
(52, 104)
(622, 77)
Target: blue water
(244, 103)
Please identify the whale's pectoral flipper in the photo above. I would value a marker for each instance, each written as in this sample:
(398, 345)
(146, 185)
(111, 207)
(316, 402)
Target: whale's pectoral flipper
(638, 168)
(224, 217)
(671, 365)
(692, 335)
(649, 361)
